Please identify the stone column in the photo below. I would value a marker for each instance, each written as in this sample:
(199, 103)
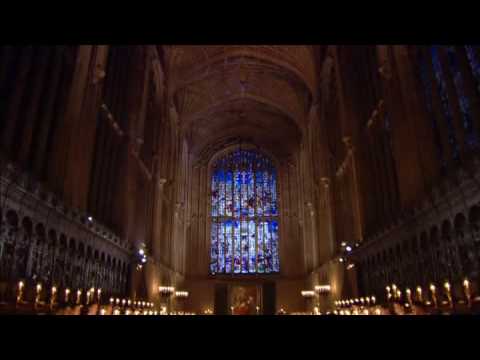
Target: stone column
(329, 221)
(67, 132)
(37, 84)
(47, 118)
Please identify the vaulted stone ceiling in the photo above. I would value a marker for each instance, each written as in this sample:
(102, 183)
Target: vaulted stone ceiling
(259, 94)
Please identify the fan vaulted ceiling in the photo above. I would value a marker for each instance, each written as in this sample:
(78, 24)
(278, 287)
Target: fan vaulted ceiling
(259, 94)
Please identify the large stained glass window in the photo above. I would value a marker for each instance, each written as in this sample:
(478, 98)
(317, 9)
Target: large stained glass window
(244, 225)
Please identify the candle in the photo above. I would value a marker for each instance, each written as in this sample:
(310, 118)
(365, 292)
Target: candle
(419, 294)
(99, 293)
(449, 294)
(21, 285)
(79, 294)
(111, 301)
(434, 296)
(373, 300)
(466, 290)
(67, 293)
(54, 292)
(39, 292)
(408, 293)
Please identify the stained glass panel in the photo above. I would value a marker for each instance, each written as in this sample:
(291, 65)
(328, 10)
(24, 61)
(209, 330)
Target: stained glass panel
(244, 228)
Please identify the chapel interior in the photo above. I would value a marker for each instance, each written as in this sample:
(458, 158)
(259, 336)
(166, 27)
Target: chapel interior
(240, 180)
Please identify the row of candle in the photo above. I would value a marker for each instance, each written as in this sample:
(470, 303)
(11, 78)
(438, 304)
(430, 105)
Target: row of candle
(90, 296)
(363, 301)
(395, 294)
(128, 302)
(54, 293)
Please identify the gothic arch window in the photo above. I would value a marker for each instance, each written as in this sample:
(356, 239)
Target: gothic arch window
(244, 214)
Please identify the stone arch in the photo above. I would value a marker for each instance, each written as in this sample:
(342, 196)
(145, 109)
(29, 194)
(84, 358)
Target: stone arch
(424, 245)
(40, 233)
(27, 226)
(474, 217)
(12, 218)
(446, 230)
(460, 223)
(434, 236)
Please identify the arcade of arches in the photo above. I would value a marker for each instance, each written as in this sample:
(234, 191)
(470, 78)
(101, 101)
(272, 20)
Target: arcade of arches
(240, 179)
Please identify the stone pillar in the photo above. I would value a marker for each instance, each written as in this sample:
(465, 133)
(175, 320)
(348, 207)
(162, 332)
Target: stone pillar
(329, 221)
(403, 134)
(37, 84)
(66, 135)
(47, 118)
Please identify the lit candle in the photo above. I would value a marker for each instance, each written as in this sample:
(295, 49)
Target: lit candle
(39, 293)
(67, 294)
(129, 302)
(449, 293)
(419, 294)
(408, 293)
(373, 300)
(88, 297)
(111, 301)
(117, 301)
(79, 294)
(434, 296)
(362, 301)
(123, 302)
(54, 293)
(21, 285)
(399, 295)
(466, 290)
(99, 293)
